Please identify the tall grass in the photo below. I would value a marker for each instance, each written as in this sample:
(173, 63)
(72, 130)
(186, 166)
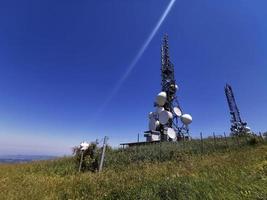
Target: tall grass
(235, 172)
(169, 151)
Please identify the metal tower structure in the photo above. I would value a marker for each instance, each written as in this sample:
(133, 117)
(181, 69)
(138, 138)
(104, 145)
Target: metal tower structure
(167, 74)
(168, 84)
(238, 127)
(165, 121)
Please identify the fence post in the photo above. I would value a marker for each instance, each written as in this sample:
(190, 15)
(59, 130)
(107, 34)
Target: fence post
(80, 166)
(262, 139)
(160, 150)
(183, 143)
(202, 144)
(237, 139)
(137, 146)
(103, 154)
(214, 139)
(225, 138)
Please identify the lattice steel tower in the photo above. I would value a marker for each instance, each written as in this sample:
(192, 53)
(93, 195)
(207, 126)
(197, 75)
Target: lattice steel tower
(164, 123)
(237, 125)
(168, 84)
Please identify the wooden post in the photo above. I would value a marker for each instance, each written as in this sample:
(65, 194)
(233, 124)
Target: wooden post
(80, 166)
(214, 139)
(160, 150)
(262, 139)
(137, 146)
(103, 154)
(183, 142)
(202, 144)
(225, 138)
(237, 139)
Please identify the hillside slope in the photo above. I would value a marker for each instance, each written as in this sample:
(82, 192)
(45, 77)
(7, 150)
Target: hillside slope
(235, 174)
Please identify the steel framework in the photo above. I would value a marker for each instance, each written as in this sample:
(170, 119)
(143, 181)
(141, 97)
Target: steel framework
(168, 85)
(237, 125)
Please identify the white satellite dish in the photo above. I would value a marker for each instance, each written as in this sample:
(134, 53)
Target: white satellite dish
(247, 129)
(150, 115)
(175, 86)
(155, 137)
(161, 98)
(171, 133)
(186, 119)
(177, 111)
(153, 124)
(159, 109)
(165, 116)
(84, 146)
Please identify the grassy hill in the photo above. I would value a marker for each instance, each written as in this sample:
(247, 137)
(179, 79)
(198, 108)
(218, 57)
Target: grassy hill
(236, 173)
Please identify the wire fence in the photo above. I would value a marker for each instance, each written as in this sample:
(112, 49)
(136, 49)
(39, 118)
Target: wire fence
(165, 151)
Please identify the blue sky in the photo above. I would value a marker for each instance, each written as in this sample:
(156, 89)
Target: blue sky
(60, 61)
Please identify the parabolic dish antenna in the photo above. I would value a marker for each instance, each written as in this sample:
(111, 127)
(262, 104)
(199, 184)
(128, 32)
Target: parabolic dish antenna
(171, 133)
(186, 119)
(177, 111)
(159, 109)
(150, 115)
(247, 128)
(161, 98)
(153, 124)
(164, 117)
(174, 87)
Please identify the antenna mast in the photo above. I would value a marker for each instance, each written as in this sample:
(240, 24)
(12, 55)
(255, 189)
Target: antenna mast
(164, 123)
(238, 127)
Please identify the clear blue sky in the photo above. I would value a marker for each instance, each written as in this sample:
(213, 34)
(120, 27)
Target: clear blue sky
(60, 60)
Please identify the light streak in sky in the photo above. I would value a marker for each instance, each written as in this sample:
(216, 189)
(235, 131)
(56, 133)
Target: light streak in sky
(138, 56)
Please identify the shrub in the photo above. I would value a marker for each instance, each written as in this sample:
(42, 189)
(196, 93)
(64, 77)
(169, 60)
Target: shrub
(90, 157)
(253, 140)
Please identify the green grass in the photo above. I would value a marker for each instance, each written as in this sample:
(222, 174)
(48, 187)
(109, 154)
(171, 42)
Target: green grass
(168, 151)
(226, 173)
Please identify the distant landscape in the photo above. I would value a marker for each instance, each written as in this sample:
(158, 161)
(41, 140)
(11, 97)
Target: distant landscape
(23, 158)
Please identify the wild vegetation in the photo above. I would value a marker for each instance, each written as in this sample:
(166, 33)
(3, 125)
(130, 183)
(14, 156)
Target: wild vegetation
(87, 159)
(189, 170)
(163, 151)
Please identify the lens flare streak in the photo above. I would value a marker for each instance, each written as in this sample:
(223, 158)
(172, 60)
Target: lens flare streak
(139, 55)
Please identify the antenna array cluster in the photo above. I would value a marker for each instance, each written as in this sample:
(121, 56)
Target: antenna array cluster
(167, 122)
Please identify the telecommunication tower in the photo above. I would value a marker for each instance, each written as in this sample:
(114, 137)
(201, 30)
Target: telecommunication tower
(164, 123)
(238, 127)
